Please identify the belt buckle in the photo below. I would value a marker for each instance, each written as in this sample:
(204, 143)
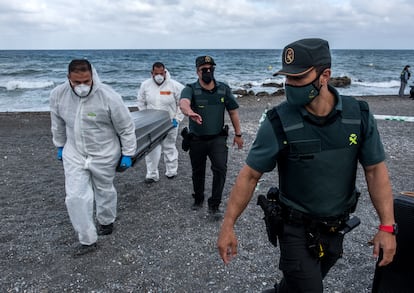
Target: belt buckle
(332, 229)
(332, 226)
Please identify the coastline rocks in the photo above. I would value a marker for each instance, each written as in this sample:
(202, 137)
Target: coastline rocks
(279, 92)
(262, 94)
(341, 81)
(240, 92)
(244, 93)
(273, 84)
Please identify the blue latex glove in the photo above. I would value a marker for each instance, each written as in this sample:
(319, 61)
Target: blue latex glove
(126, 162)
(59, 153)
(174, 122)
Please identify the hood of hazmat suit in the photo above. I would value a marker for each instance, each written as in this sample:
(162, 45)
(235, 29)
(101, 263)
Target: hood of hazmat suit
(97, 125)
(165, 96)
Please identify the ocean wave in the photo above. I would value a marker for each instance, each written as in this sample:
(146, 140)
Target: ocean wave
(26, 84)
(26, 72)
(355, 82)
(381, 84)
(21, 84)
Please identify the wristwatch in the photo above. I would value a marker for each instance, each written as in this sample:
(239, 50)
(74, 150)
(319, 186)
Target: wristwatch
(393, 229)
(238, 135)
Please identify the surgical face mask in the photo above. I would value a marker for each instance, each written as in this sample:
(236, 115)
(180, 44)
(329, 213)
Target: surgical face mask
(207, 74)
(301, 95)
(159, 79)
(82, 90)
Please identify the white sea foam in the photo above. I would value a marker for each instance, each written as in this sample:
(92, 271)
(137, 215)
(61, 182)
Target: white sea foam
(23, 84)
(383, 84)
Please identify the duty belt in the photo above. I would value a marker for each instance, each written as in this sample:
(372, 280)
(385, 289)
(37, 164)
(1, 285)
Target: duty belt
(204, 137)
(325, 224)
(223, 132)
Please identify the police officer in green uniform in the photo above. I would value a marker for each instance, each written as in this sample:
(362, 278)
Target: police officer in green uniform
(316, 139)
(205, 102)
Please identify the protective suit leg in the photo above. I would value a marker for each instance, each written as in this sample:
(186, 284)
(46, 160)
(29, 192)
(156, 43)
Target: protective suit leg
(79, 200)
(152, 160)
(170, 153)
(103, 174)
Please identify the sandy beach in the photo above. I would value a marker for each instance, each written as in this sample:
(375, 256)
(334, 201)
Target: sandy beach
(159, 244)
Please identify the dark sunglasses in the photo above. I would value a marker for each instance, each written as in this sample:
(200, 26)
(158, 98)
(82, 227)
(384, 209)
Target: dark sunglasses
(207, 69)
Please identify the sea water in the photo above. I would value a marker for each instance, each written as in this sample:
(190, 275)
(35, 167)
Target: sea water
(28, 76)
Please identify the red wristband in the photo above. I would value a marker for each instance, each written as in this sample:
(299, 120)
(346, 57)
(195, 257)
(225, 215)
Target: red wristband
(393, 229)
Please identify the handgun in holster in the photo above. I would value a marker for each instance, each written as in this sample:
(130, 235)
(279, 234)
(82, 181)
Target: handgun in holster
(272, 214)
(185, 145)
(225, 131)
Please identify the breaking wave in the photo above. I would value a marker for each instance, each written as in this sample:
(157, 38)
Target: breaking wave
(21, 84)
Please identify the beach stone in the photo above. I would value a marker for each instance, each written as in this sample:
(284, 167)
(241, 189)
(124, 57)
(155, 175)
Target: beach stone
(262, 94)
(342, 81)
(273, 84)
(240, 92)
(279, 92)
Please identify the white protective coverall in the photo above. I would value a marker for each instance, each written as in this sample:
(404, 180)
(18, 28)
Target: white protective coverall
(93, 130)
(162, 97)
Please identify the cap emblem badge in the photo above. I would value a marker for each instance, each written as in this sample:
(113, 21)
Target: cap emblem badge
(289, 55)
(207, 59)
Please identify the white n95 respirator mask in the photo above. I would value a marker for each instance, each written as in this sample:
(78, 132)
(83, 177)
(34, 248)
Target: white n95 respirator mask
(82, 90)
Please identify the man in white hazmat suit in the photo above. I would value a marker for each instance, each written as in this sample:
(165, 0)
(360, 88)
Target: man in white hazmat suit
(92, 129)
(162, 93)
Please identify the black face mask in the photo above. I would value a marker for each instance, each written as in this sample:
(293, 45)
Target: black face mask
(207, 75)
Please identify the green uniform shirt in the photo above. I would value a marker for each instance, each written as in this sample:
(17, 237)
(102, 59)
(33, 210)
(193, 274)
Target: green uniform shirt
(265, 148)
(210, 105)
(269, 142)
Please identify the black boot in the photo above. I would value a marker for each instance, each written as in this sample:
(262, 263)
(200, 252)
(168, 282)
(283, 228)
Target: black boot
(105, 229)
(198, 202)
(83, 249)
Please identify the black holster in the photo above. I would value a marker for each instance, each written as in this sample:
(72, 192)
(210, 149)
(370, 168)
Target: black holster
(272, 214)
(185, 145)
(225, 131)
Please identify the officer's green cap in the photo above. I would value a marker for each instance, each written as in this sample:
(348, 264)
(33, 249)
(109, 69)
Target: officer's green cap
(201, 60)
(302, 56)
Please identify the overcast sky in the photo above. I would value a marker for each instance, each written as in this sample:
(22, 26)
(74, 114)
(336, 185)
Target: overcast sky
(209, 24)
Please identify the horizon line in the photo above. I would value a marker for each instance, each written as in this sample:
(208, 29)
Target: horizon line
(160, 49)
